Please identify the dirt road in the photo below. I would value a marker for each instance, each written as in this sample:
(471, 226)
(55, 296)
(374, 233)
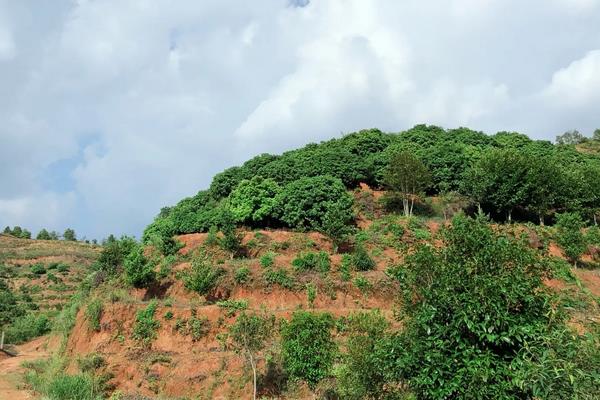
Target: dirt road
(11, 370)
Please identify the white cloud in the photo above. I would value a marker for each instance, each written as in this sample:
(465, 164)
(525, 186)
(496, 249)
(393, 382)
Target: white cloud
(578, 84)
(147, 100)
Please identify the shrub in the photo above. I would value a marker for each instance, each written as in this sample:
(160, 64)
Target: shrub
(242, 275)
(202, 277)
(62, 268)
(139, 272)
(267, 260)
(361, 259)
(169, 315)
(308, 349)
(280, 277)
(38, 269)
(345, 272)
(363, 284)
(113, 253)
(145, 326)
(93, 313)
(27, 327)
(360, 375)
(233, 306)
(91, 362)
(477, 317)
(570, 236)
(311, 294)
(312, 261)
(198, 327)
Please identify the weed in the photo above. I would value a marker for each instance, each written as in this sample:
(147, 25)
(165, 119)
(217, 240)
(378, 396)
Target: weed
(145, 326)
(242, 275)
(93, 313)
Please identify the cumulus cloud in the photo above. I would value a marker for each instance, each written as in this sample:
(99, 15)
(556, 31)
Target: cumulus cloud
(140, 103)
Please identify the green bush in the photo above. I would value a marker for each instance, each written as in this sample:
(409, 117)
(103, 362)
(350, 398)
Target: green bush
(360, 374)
(27, 327)
(311, 294)
(93, 314)
(253, 201)
(280, 277)
(242, 275)
(113, 254)
(202, 277)
(312, 262)
(38, 269)
(345, 272)
(363, 284)
(233, 306)
(308, 349)
(145, 326)
(361, 259)
(476, 316)
(91, 362)
(139, 271)
(267, 260)
(570, 236)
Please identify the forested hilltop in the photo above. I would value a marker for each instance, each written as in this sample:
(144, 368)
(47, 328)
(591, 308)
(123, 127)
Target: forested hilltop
(504, 174)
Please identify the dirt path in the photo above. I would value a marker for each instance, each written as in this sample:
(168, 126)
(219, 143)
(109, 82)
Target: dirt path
(11, 370)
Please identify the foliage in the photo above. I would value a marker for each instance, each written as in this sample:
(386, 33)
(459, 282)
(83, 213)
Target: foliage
(114, 252)
(145, 327)
(202, 277)
(66, 387)
(303, 204)
(139, 271)
(233, 306)
(361, 260)
(280, 277)
(311, 294)
(308, 349)
(69, 235)
(38, 269)
(253, 201)
(267, 260)
(473, 311)
(571, 137)
(93, 314)
(27, 327)
(312, 262)
(570, 235)
(43, 234)
(249, 335)
(363, 284)
(407, 176)
(360, 375)
(242, 275)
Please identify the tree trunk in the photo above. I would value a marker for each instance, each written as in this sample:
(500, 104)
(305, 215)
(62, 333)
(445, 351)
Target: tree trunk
(253, 374)
(412, 203)
(510, 216)
(541, 219)
(406, 210)
(479, 210)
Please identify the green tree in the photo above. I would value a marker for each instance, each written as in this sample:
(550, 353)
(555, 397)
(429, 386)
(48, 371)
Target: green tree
(407, 176)
(114, 252)
(69, 235)
(570, 235)
(25, 234)
(499, 179)
(253, 201)
(7, 231)
(360, 375)
(337, 223)
(543, 179)
(596, 135)
(570, 137)
(308, 349)
(17, 231)
(139, 271)
(303, 204)
(472, 308)
(43, 235)
(249, 335)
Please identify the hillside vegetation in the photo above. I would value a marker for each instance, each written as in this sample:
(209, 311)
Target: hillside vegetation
(428, 264)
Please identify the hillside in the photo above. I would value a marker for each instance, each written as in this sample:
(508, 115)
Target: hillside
(425, 264)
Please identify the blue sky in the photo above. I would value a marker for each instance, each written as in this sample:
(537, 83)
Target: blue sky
(112, 109)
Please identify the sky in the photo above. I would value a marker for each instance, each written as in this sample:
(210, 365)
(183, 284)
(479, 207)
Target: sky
(112, 109)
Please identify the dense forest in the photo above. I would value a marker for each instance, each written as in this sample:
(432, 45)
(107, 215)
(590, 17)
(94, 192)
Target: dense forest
(505, 174)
